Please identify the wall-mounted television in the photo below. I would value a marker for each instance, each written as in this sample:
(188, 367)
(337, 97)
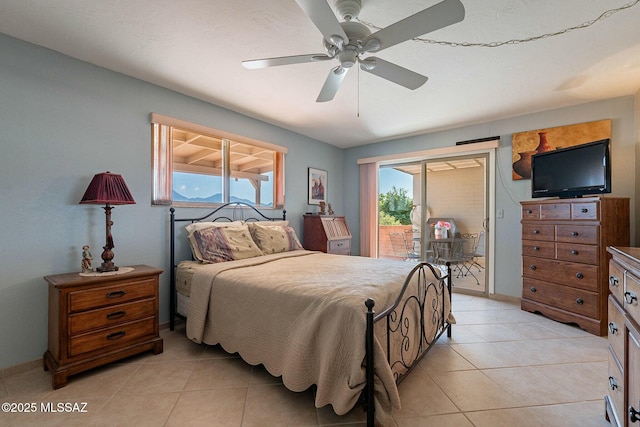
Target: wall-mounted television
(573, 171)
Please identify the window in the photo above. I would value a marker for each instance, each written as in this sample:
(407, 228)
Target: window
(194, 166)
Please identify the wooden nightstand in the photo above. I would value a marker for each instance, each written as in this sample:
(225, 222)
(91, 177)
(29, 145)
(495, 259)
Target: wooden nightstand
(94, 320)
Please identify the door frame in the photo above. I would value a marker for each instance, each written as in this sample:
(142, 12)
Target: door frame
(488, 146)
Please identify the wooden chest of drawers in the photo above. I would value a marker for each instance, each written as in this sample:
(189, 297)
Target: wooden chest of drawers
(622, 402)
(328, 234)
(564, 257)
(95, 320)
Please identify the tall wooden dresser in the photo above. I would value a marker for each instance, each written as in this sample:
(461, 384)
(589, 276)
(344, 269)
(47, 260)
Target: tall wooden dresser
(565, 259)
(327, 233)
(623, 400)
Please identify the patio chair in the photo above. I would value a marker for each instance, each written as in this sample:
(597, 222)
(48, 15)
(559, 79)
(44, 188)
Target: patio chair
(401, 246)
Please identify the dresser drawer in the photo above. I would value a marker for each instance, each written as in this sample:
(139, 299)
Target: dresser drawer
(113, 294)
(538, 231)
(616, 389)
(576, 252)
(585, 211)
(587, 234)
(539, 248)
(616, 328)
(631, 295)
(616, 281)
(581, 276)
(114, 337)
(571, 299)
(531, 212)
(340, 247)
(109, 316)
(555, 211)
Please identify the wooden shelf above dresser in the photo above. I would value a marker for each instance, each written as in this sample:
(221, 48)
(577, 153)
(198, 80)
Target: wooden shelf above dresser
(565, 259)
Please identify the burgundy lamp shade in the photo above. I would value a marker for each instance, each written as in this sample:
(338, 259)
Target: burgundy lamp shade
(108, 188)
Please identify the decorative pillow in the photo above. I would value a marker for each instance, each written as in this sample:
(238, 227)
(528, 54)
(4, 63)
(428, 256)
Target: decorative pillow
(272, 239)
(280, 223)
(192, 228)
(219, 244)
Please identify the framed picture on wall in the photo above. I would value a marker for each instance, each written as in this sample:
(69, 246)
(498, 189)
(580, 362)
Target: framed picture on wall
(317, 186)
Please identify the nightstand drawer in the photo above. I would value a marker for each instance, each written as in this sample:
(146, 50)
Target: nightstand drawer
(110, 316)
(112, 337)
(113, 294)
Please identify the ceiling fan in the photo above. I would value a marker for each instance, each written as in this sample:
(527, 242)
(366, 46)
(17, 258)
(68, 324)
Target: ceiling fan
(348, 41)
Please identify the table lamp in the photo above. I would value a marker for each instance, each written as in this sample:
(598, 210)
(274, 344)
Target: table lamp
(109, 189)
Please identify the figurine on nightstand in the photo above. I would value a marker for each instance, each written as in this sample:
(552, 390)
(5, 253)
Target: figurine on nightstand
(330, 210)
(86, 259)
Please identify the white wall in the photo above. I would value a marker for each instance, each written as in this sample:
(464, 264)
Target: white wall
(63, 121)
(509, 193)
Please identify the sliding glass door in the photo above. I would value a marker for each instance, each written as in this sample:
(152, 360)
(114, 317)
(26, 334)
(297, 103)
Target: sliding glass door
(457, 211)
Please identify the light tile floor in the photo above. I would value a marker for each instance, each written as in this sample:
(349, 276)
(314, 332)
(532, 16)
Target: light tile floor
(502, 367)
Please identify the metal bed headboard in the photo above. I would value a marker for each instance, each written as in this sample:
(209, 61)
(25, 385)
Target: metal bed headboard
(239, 211)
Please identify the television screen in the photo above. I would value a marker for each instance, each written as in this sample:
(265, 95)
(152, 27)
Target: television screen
(573, 171)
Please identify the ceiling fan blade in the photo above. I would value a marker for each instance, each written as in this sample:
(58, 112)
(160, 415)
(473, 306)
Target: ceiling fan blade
(322, 16)
(332, 84)
(392, 72)
(284, 60)
(433, 18)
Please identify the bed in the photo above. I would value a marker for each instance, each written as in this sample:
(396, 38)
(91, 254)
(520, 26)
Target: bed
(314, 325)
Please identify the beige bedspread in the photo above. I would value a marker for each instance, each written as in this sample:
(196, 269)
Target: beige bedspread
(302, 315)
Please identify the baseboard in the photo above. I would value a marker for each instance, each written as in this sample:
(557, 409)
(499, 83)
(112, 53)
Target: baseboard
(22, 367)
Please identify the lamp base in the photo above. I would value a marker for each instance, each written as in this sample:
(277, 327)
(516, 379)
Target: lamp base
(106, 267)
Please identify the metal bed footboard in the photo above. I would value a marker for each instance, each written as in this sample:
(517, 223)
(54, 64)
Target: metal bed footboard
(399, 324)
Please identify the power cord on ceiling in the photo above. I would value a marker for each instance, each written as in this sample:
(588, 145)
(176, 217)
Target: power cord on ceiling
(604, 15)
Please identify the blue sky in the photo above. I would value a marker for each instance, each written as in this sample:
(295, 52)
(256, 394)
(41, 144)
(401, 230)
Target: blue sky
(389, 177)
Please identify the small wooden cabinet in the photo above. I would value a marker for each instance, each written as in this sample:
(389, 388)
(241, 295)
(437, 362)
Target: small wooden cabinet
(94, 320)
(622, 403)
(327, 233)
(564, 257)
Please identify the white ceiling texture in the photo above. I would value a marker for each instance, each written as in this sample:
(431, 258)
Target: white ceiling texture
(196, 47)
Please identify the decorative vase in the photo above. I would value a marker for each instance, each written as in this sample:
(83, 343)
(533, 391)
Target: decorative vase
(523, 166)
(543, 145)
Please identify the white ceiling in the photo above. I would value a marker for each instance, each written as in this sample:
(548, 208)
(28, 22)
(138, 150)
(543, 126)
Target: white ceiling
(196, 47)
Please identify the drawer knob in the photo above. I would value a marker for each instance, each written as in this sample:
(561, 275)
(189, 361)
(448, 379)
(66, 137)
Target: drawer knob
(116, 335)
(533, 267)
(536, 231)
(533, 289)
(574, 233)
(529, 211)
(580, 276)
(584, 210)
(116, 294)
(613, 328)
(630, 297)
(536, 248)
(579, 301)
(613, 384)
(116, 315)
(574, 252)
(633, 414)
(613, 281)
